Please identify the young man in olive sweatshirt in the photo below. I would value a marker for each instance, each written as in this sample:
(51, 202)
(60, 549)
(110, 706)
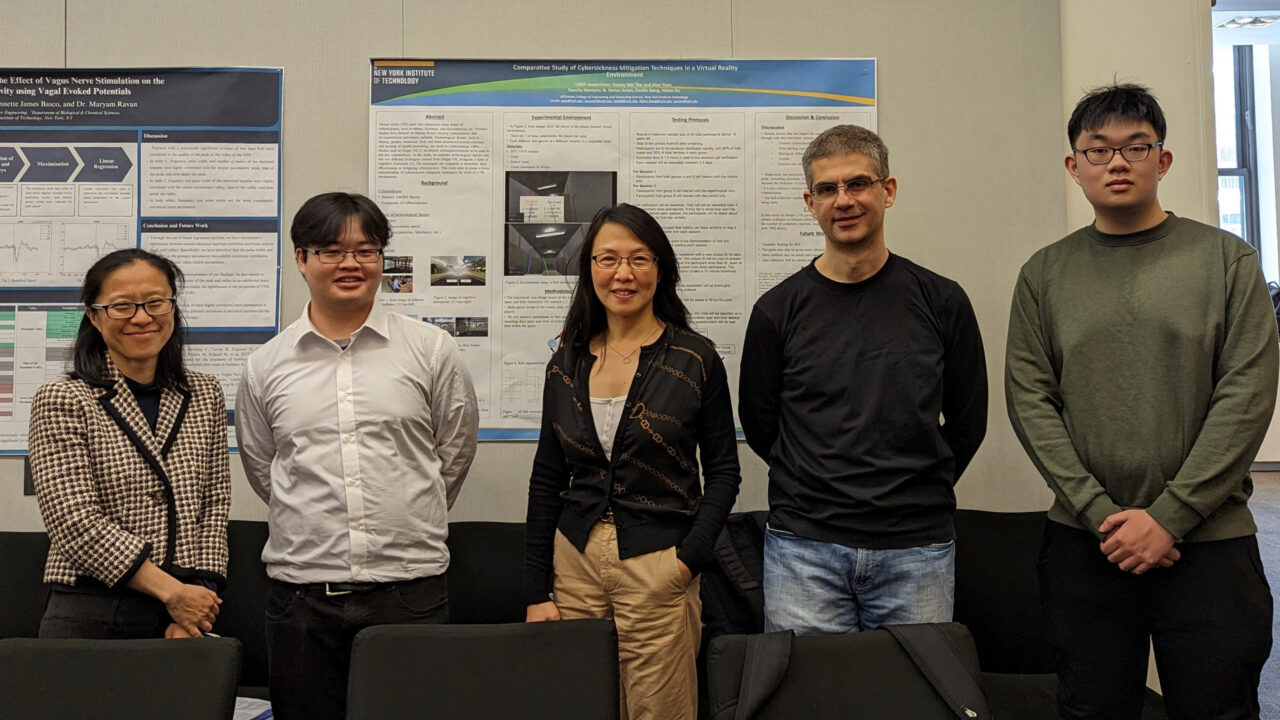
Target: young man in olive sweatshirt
(1140, 378)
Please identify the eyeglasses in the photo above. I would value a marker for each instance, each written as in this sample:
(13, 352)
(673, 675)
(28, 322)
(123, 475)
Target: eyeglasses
(610, 261)
(856, 186)
(126, 310)
(366, 256)
(1135, 152)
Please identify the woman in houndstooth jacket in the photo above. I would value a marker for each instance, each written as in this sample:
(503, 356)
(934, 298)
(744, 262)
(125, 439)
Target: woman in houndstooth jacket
(129, 461)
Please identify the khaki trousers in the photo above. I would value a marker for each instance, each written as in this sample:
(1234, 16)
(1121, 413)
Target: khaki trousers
(659, 620)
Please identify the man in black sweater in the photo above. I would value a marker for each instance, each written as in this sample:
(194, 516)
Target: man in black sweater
(864, 387)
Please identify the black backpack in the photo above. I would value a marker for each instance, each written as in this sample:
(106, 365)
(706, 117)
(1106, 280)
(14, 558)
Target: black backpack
(924, 671)
(732, 589)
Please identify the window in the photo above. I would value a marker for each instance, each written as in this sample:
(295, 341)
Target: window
(1233, 102)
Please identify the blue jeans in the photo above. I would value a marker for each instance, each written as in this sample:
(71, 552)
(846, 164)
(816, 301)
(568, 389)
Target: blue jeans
(815, 587)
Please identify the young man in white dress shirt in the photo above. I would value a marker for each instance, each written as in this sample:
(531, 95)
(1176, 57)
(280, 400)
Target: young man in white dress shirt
(357, 426)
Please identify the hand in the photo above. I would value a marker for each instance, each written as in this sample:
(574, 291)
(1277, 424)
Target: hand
(542, 612)
(193, 608)
(1136, 542)
(686, 575)
(175, 631)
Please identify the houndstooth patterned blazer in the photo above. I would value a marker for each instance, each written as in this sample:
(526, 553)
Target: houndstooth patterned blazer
(113, 493)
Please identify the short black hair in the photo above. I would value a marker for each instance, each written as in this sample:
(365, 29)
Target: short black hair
(321, 220)
(89, 353)
(1124, 101)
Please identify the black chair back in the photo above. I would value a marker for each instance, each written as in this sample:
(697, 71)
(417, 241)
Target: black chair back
(106, 679)
(535, 671)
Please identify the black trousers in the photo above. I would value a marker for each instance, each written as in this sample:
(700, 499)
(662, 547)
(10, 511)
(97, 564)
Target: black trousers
(309, 638)
(1208, 619)
(117, 616)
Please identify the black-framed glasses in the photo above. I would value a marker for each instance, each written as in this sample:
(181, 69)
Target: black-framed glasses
(1134, 152)
(124, 310)
(611, 261)
(856, 186)
(364, 256)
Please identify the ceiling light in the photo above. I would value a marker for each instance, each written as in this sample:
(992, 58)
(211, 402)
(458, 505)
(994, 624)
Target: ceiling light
(1249, 21)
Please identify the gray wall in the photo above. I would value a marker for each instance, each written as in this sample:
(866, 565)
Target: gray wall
(971, 97)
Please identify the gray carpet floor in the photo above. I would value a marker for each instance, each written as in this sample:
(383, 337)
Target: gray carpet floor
(1265, 504)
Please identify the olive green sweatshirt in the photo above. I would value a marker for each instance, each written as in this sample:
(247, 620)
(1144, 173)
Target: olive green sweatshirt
(1141, 373)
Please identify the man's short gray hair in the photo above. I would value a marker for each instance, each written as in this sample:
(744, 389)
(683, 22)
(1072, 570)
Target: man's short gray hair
(846, 140)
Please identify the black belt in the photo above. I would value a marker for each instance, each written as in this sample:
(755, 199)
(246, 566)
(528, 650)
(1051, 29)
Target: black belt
(338, 589)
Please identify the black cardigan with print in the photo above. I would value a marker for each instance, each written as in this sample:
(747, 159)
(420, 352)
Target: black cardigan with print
(678, 413)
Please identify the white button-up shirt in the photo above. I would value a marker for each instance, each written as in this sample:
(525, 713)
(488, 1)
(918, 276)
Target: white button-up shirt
(360, 452)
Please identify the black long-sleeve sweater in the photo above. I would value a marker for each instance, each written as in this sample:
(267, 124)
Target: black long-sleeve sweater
(867, 400)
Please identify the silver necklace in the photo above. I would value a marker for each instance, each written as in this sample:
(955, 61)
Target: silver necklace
(626, 359)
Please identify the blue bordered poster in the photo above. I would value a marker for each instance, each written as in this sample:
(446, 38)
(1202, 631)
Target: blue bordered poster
(490, 171)
(185, 162)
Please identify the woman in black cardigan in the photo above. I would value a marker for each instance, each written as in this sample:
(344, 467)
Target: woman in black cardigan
(619, 525)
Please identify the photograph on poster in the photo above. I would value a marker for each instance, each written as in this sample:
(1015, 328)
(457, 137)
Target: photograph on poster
(454, 270)
(538, 249)
(397, 274)
(447, 324)
(397, 264)
(472, 327)
(559, 197)
(397, 284)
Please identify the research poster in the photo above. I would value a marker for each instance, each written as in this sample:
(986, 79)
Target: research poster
(490, 172)
(183, 162)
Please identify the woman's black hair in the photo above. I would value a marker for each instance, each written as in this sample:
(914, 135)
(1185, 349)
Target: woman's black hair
(586, 317)
(89, 354)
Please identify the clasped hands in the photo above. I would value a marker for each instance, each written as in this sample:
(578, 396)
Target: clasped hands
(1136, 542)
(193, 609)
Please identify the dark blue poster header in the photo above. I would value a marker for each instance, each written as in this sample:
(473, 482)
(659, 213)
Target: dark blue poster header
(231, 98)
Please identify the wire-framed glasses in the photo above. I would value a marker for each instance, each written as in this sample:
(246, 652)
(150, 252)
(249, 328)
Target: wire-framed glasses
(610, 261)
(331, 256)
(856, 186)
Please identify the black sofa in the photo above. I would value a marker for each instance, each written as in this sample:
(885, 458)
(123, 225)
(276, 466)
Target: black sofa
(996, 597)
